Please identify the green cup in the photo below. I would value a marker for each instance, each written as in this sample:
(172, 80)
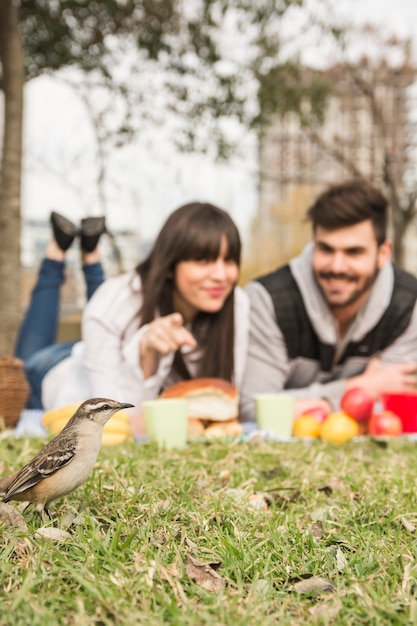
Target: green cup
(275, 413)
(166, 421)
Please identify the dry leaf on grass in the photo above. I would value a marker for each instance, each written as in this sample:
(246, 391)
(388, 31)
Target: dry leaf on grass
(190, 543)
(11, 521)
(257, 500)
(161, 507)
(341, 560)
(322, 514)
(317, 530)
(313, 585)
(326, 610)
(11, 518)
(204, 574)
(49, 532)
(237, 494)
(282, 500)
(150, 573)
(410, 526)
(174, 568)
(261, 586)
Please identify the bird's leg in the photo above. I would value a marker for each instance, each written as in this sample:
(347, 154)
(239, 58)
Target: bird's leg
(26, 504)
(49, 514)
(43, 513)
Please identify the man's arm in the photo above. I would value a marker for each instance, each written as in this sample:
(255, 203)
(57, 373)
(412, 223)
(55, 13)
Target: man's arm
(395, 368)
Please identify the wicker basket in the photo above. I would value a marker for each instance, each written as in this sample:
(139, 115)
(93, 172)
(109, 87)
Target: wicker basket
(14, 390)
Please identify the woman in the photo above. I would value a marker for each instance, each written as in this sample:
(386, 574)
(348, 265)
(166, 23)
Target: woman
(178, 315)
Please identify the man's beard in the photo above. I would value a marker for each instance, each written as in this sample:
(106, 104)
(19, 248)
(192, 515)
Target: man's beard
(349, 277)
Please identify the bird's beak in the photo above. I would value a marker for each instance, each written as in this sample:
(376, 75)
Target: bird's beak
(125, 405)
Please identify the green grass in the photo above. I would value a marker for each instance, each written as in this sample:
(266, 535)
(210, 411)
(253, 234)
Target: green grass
(344, 513)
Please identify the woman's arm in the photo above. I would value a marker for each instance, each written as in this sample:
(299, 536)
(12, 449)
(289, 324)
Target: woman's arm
(112, 338)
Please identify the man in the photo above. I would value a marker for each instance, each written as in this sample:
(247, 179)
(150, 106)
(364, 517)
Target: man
(340, 315)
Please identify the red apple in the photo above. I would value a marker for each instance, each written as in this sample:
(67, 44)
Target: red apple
(357, 403)
(385, 423)
(320, 413)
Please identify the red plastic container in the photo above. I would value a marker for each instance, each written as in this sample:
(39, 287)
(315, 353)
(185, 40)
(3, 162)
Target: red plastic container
(405, 406)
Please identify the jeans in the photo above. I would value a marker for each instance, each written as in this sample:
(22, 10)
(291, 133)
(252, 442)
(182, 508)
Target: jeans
(36, 339)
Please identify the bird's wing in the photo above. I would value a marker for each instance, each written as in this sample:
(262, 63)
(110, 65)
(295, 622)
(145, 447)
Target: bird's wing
(56, 454)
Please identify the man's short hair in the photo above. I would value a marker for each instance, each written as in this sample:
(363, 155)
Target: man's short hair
(348, 204)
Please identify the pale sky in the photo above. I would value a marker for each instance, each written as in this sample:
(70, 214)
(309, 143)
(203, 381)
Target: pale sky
(146, 183)
(398, 14)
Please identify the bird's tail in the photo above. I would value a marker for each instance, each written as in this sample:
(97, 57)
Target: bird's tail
(5, 484)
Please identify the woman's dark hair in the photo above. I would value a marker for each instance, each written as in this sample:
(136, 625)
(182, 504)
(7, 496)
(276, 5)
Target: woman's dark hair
(348, 204)
(193, 232)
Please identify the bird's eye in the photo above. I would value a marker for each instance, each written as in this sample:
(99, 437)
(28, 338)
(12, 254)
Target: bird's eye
(106, 406)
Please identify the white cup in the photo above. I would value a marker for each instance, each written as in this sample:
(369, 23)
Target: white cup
(166, 421)
(275, 413)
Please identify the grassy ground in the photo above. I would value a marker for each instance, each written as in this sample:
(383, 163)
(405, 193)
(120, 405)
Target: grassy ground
(174, 538)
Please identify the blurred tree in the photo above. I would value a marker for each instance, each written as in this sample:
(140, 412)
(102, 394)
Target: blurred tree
(358, 121)
(383, 97)
(207, 75)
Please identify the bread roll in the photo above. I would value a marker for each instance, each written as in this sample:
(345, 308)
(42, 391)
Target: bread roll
(209, 399)
(231, 428)
(195, 428)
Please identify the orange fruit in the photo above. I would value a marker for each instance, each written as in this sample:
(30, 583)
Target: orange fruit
(338, 428)
(306, 426)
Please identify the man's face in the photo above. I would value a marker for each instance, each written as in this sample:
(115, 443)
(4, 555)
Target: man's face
(346, 262)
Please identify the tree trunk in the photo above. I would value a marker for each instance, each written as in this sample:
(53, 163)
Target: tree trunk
(401, 220)
(12, 60)
(398, 252)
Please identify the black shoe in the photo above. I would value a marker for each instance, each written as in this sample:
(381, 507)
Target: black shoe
(91, 230)
(64, 230)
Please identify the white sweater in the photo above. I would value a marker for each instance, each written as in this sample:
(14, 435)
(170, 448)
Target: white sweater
(106, 362)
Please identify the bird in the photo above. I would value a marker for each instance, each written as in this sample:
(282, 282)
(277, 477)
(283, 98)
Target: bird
(66, 461)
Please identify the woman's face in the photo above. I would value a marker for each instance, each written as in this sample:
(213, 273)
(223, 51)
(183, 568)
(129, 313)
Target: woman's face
(204, 285)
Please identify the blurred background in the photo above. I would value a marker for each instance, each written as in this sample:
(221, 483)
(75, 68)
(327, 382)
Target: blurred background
(131, 108)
